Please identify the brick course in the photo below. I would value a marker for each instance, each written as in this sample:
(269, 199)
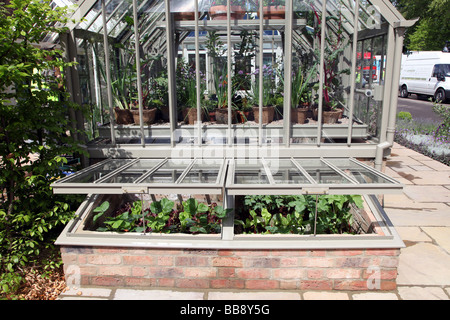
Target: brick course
(293, 269)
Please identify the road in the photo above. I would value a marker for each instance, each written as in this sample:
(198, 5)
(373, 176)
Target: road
(420, 109)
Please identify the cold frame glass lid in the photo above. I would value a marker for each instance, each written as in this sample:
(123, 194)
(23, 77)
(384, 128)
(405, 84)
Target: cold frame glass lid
(294, 176)
(165, 176)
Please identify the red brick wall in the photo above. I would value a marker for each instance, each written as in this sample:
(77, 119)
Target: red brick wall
(352, 269)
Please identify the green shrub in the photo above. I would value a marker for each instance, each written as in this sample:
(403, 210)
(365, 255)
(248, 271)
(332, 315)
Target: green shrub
(33, 121)
(444, 112)
(403, 115)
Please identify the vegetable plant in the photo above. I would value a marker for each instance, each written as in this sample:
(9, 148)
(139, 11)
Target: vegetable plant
(296, 214)
(161, 217)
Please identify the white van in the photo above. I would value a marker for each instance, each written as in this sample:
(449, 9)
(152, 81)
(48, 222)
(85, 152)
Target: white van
(426, 73)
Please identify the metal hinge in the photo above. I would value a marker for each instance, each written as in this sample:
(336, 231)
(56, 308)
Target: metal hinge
(313, 190)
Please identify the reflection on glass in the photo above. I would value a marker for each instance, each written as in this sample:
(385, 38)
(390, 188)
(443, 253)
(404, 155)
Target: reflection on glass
(250, 177)
(251, 172)
(285, 172)
(99, 172)
(169, 172)
(203, 171)
(361, 174)
(132, 173)
(320, 172)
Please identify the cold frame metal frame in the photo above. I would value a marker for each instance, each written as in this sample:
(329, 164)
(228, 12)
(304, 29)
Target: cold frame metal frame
(74, 235)
(147, 176)
(229, 177)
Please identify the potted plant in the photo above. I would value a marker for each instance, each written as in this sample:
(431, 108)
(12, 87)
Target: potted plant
(219, 96)
(268, 109)
(187, 91)
(335, 45)
(331, 111)
(272, 9)
(185, 10)
(301, 94)
(218, 9)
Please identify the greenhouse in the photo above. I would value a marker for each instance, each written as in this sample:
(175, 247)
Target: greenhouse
(226, 102)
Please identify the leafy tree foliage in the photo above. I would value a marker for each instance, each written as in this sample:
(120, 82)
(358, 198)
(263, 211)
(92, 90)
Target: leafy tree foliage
(433, 28)
(33, 134)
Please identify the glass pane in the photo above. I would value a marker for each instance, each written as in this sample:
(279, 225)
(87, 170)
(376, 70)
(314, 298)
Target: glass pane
(203, 171)
(134, 172)
(168, 173)
(320, 172)
(361, 174)
(250, 173)
(285, 172)
(99, 172)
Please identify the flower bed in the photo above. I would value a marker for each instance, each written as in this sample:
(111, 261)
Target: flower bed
(432, 140)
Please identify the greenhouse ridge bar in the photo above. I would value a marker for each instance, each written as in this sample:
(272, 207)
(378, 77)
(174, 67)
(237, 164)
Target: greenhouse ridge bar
(191, 101)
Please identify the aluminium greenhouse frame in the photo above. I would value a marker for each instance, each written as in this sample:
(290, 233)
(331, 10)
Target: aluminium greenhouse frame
(187, 141)
(394, 26)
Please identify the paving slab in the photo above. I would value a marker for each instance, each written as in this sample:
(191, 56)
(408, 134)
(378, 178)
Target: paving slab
(395, 200)
(422, 293)
(414, 234)
(427, 193)
(375, 296)
(403, 152)
(426, 177)
(410, 217)
(131, 294)
(224, 295)
(441, 235)
(424, 264)
(87, 292)
(436, 165)
(319, 295)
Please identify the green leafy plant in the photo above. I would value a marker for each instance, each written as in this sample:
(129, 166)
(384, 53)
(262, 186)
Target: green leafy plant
(200, 218)
(335, 44)
(161, 217)
(101, 210)
(444, 112)
(296, 214)
(126, 221)
(33, 139)
(403, 115)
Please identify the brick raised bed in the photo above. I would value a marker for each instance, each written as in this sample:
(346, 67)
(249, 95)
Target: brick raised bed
(256, 269)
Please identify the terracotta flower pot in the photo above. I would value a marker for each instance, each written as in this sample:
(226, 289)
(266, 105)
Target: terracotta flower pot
(244, 116)
(148, 116)
(331, 116)
(220, 12)
(123, 116)
(165, 113)
(222, 116)
(190, 115)
(212, 116)
(185, 16)
(274, 12)
(299, 115)
(267, 114)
